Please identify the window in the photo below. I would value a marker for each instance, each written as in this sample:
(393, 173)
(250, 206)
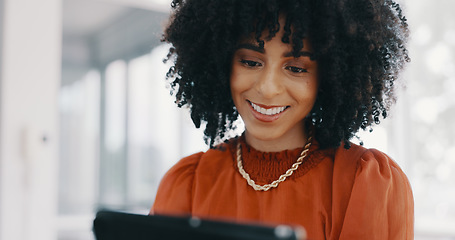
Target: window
(144, 132)
(79, 156)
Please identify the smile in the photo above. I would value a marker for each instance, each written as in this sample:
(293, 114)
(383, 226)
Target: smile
(267, 111)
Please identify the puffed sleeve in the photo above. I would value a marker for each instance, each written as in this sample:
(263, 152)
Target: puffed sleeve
(381, 204)
(175, 192)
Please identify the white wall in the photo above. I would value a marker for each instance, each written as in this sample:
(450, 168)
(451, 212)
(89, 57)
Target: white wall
(30, 73)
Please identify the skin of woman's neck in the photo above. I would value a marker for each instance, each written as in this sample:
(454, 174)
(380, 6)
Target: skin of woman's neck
(285, 142)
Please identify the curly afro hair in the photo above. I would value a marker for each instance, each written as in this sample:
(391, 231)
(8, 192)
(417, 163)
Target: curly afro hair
(359, 46)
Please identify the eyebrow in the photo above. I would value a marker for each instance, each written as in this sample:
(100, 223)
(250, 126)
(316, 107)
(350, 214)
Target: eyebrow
(251, 47)
(256, 48)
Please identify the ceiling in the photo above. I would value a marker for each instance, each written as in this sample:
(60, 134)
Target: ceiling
(83, 17)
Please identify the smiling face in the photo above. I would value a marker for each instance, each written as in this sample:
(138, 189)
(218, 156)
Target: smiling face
(273, 91)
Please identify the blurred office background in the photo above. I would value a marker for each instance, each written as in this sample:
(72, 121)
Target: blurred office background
(87, 122)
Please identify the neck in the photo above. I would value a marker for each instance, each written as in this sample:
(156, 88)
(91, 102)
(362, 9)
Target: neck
(291, 140)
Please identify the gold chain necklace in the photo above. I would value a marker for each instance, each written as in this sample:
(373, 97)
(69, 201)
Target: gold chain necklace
(283, 177)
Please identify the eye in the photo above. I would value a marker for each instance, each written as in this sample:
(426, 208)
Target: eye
(296, 69)
(250, 63)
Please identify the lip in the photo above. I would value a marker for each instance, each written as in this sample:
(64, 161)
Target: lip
(264, 106)
(266, 118)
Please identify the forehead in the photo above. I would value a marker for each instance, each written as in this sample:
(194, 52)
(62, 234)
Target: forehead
(263, 30)
(260, 44)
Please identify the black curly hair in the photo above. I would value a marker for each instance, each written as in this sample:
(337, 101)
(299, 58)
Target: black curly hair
(359, 46)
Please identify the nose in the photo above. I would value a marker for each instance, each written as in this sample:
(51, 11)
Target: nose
(270, 83)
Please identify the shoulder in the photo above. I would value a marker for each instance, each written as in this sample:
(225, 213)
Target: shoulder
(372, 163)
(183, 168)
(175, 189)
(202, 161)
(175, 192)
(376, 171)
(369, 185)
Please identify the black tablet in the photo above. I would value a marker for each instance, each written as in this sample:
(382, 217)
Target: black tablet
(109, 225)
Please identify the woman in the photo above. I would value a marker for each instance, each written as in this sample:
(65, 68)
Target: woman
(304, 76)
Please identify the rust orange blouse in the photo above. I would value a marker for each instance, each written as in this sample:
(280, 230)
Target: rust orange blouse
(335, 194)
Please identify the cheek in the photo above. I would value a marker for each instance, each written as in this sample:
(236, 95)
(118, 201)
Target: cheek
(235, 89)
(234, 84)
(238, 83)
(305, 92)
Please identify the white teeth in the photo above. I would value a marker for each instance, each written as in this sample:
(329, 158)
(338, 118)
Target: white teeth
(270, 111)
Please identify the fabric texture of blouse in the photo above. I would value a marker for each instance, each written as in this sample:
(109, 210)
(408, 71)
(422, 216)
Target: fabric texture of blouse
(335, 194)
